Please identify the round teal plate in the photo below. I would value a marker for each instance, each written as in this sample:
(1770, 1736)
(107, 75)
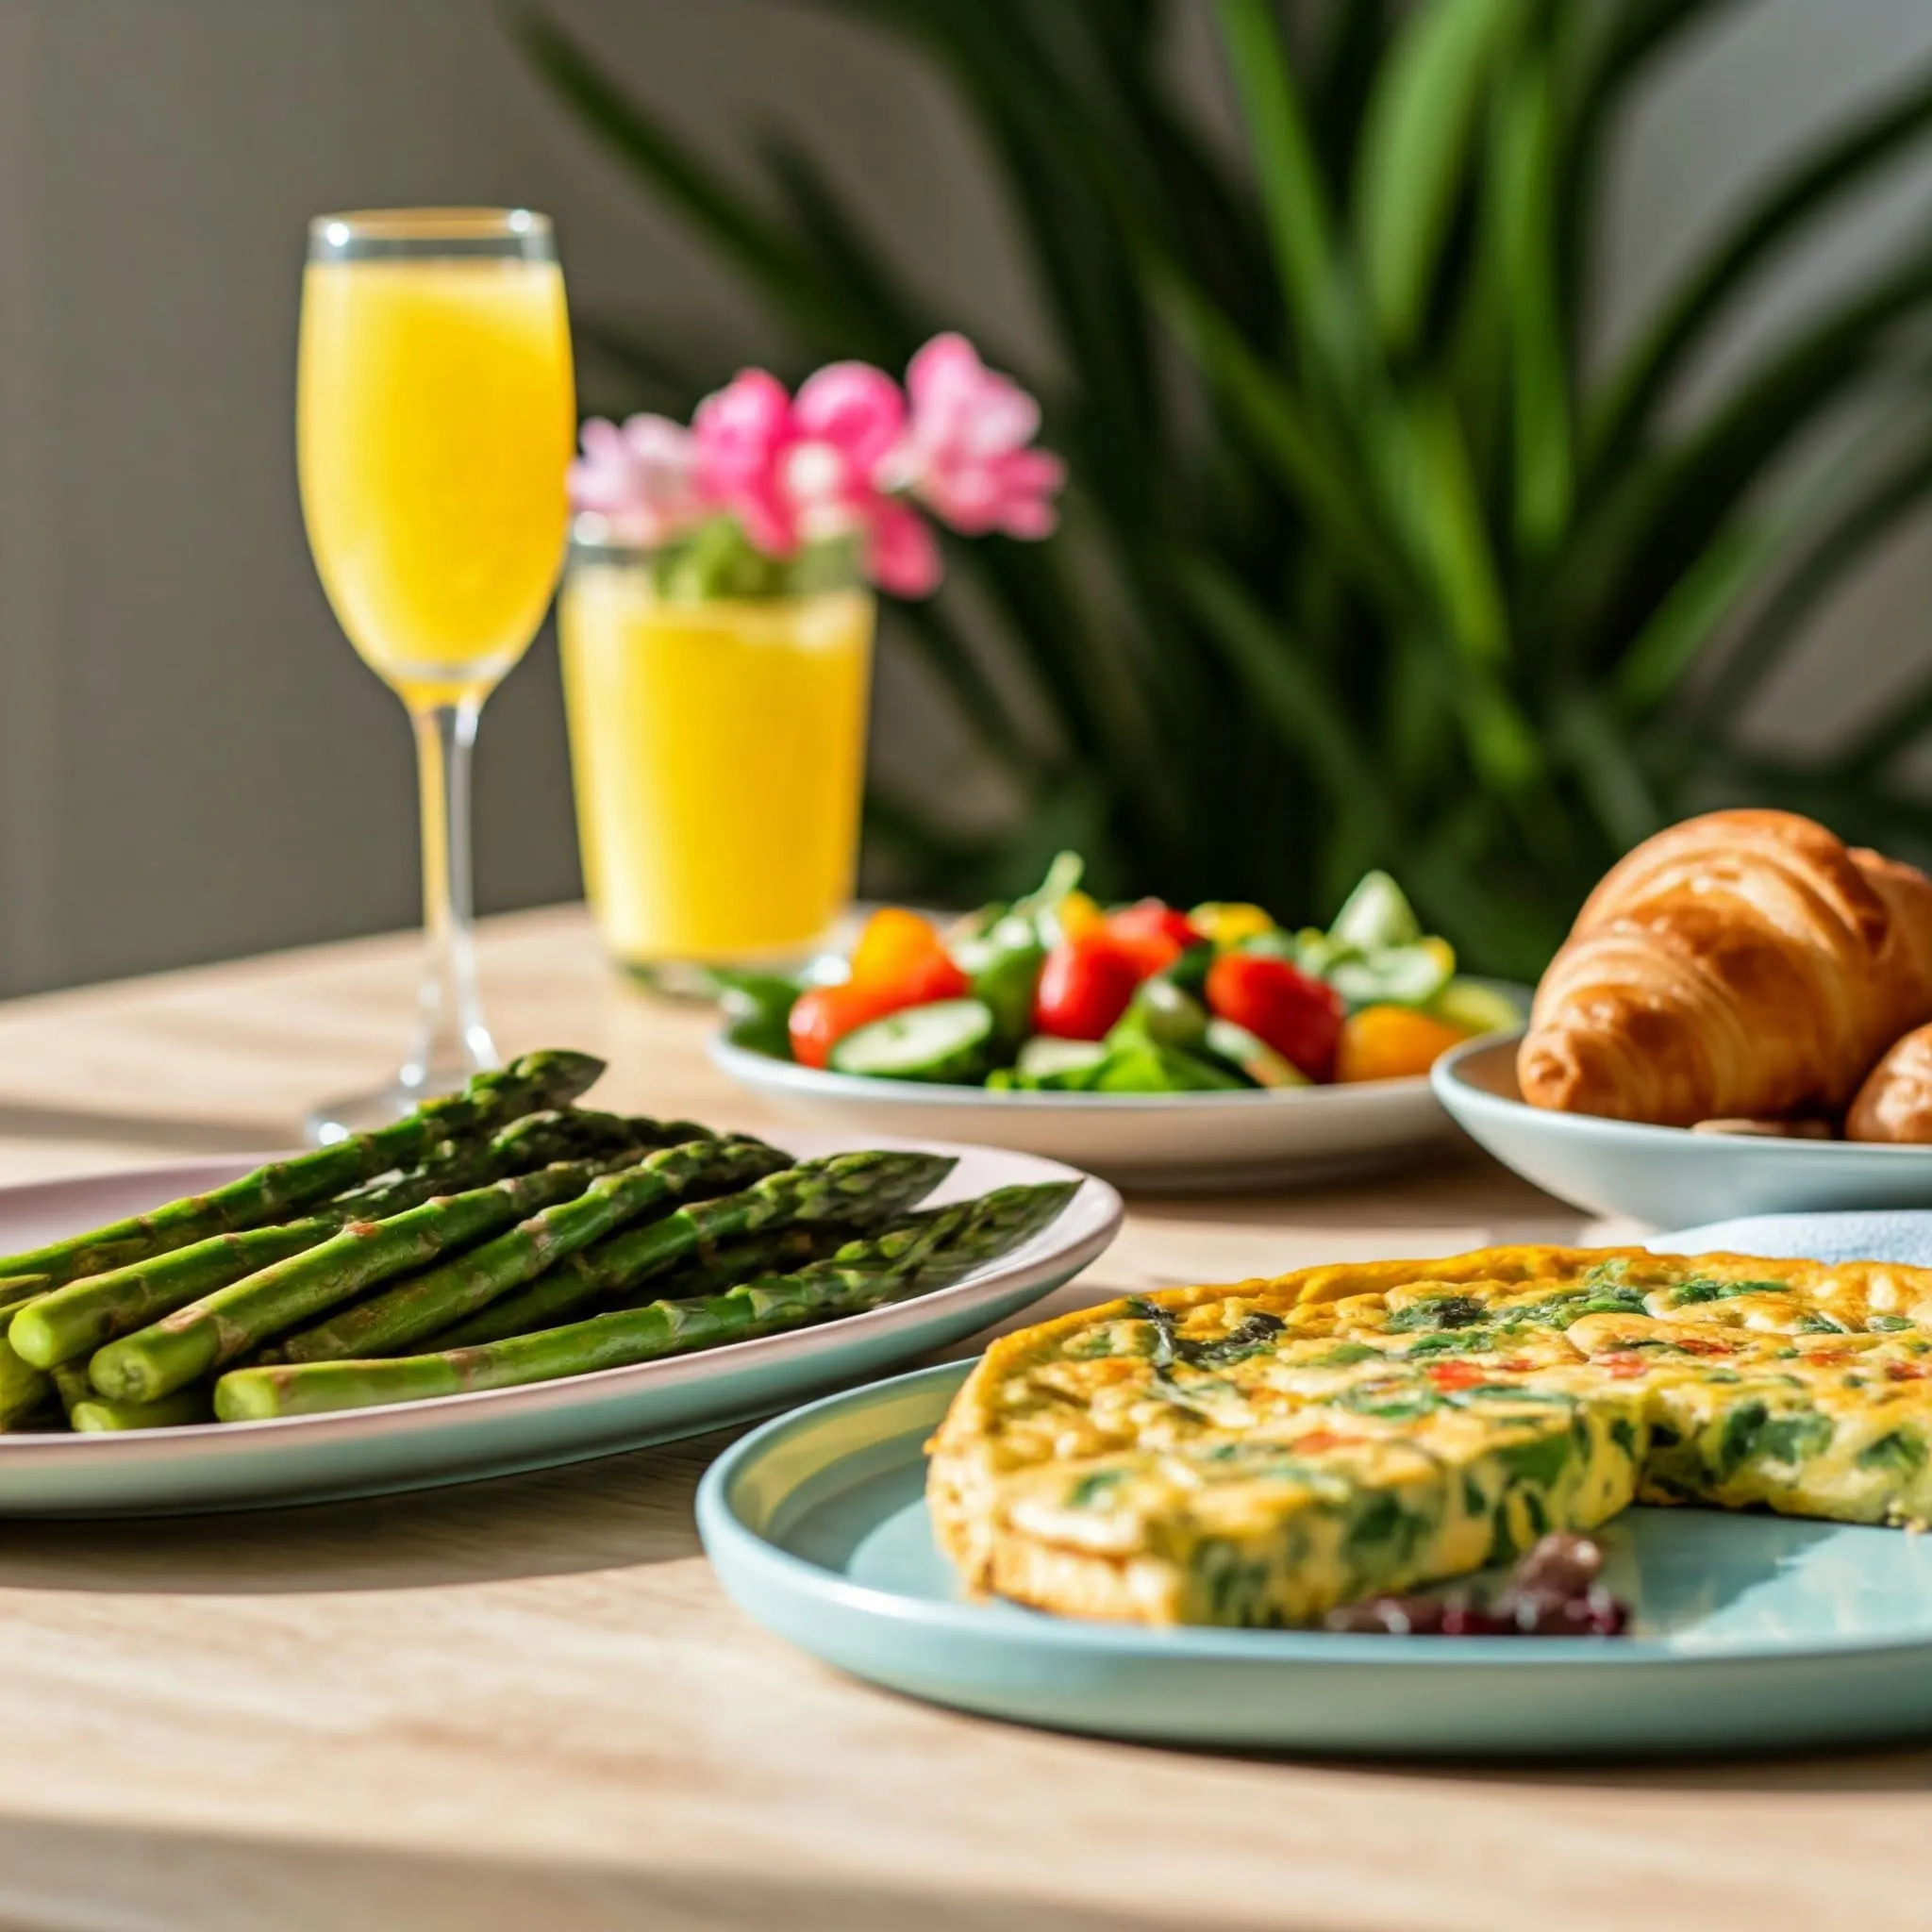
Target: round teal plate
(1750, 1630)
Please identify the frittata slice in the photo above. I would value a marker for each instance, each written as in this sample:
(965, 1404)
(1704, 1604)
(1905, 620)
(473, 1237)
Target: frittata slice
(1216, 1466)
(1836, 1426)
(1261, 1453)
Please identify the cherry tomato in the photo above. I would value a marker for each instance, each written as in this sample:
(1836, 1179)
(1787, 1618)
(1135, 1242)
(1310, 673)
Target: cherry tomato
(894, 942)
(1299, 1017)
(1153, 932)
(901, 960)
(934, 978)
(1085, 986)
(823, 1015)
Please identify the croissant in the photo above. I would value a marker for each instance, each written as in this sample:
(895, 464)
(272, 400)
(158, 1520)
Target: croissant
(1742, 963)
(1895, 1102)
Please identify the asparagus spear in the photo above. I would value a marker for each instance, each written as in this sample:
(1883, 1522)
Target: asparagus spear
(172, 1353)
(923, 1251)
(421, 1305)
(629, 1258)
(564, 1292)
(23, 1388)
(72, 1386)
(536, 1081)
(88, 1414)
(78, 1318)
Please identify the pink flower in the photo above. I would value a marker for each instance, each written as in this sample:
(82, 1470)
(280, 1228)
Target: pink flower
(742, 433)
(902, 556)
(849, 417)
(840, 460)
(965, 453)
(641, 479)
(855, 408)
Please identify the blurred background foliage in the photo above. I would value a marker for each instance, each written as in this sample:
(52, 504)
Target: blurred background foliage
(1365, 562)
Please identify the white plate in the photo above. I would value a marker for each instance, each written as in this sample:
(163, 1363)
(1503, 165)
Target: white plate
(1667, 1176)
(1144, 1140)
(498, 1432)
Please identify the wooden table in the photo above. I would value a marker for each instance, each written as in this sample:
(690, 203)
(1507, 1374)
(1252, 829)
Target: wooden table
(527, 1704)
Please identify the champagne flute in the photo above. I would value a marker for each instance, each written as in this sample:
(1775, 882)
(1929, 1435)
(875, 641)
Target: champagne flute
(436, 419)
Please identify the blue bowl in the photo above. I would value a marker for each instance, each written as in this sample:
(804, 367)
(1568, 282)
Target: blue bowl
(1667, 1176)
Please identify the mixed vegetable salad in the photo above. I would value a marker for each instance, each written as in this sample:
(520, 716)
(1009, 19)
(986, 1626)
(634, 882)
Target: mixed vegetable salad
(1054, 993)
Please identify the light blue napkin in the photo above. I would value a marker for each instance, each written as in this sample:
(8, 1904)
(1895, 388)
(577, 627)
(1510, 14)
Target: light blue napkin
(1876, 1233)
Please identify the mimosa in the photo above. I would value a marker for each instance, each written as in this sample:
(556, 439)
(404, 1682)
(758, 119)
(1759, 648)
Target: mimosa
(435, 420)
(718, 747)
(436, 423)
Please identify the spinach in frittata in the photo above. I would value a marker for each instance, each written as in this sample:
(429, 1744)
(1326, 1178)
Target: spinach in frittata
(1259, 1454)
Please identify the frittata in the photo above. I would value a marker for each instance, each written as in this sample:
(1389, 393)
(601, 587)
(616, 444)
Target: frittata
(1259, 1454)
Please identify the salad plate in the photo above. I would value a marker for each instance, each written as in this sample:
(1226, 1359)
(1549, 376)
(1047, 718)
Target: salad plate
(1148, 1141)
(1750, 1630)
(1162, 1048)
(501, 1432)
(1667, 1176)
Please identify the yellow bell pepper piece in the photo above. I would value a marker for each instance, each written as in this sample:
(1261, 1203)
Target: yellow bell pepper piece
(1392, 1043)
(1227, 921)
(1077, 913)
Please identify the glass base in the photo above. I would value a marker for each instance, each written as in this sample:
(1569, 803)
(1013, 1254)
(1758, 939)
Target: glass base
(693, 979)
(357, 1114)
(699, 979)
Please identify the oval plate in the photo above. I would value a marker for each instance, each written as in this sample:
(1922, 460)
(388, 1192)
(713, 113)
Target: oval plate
(1667, 1176)
(499, 1432)
(1752, 1630)
(1144, 1141)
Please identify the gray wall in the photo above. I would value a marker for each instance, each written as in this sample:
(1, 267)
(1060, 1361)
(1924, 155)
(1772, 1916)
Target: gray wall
(192, 764)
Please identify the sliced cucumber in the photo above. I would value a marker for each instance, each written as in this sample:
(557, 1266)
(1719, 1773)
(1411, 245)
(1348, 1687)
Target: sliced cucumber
(1253, 1057)
(1045, 1059)
(947, 1043)
(1375, 914)
(1409, 975)
(1162, 1015)
(1480, 1008)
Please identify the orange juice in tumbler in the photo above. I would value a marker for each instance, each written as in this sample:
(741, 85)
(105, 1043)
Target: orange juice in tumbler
(436, 421)
(718, 747)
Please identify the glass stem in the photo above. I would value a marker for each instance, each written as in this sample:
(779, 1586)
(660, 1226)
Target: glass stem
(452, 1041)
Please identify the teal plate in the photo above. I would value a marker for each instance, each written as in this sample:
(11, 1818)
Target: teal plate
(1750, 1630)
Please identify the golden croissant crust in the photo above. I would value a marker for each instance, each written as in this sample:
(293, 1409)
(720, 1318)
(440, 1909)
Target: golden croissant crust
(1895, 1102)
(1741, 964)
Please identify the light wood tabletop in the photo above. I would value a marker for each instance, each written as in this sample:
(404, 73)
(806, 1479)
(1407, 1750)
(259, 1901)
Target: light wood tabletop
(527, 1704)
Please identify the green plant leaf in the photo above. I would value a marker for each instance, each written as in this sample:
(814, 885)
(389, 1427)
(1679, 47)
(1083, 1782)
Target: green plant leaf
(1428, 467)
(1543, 470)
(1907, 720)
(1776, 220)
(895, 322)
(1420, 118)
(1304, 712)
(653, 377)
(1812, 564)
(1269, 411)
(1353, 44)
(1597, 744)
(1293, 191)
(753, 244)
(1606, 48)
(1643, 535)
